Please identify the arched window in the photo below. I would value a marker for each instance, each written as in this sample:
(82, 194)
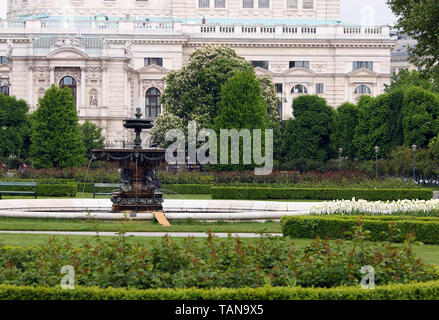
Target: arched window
(152, 103)
(363, 89)
(70, 83)
(4, 90)
(299, 89)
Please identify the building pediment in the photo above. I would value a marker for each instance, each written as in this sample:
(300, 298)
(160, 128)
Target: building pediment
(363, 72)
(299, 71)
(153, 69)
(67, 54)
(263, 72)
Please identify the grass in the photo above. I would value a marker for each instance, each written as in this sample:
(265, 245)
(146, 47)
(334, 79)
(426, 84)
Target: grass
(26, 224)
(429, 253)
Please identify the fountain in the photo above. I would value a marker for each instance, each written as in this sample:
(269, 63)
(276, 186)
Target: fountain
(140, 185)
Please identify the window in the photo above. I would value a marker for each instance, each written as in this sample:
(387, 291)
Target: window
(4, 90)
(203, 4)
(220, 3)
(299, 89)
(4, 59)
(279, 87)
(264, 3)
(247, 4)
(70, 83)
(156, 61)
(260, 64)
(319, 88)
(363, 89)
(308, 4)
(152, 103)
(292, 4)
(363, 64)
(301, 64)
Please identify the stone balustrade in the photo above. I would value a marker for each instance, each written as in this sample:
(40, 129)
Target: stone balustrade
(194, 30)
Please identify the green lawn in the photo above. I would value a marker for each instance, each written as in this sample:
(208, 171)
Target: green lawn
(430, 253)
(25, 224)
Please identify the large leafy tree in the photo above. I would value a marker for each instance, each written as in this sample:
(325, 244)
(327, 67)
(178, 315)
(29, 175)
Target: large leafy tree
(13, 127)
(194, 92)
(345, 122)
(56, 139)
(307, 136)
(420, 19)
(92, 137)
(241, 106)
(406, 79)
(379, 124)
(420, 116)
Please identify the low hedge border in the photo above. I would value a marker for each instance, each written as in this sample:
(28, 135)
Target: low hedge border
(335, 227)
(414, 291)
(49, 190)
(319, 194)
(186, 188)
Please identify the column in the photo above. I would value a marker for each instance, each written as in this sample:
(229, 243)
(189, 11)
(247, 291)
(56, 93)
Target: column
(30, 87)
(140, 102)
(52, 75)
(82, 87)
(125, 90)
(104, 103)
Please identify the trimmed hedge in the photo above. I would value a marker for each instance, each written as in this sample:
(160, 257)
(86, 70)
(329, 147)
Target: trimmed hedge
(248, 193)
(187, 188)
(335, 227)
(47, 190)
(415, 291)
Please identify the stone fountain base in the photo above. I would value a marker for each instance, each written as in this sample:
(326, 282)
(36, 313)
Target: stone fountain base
(140, 202)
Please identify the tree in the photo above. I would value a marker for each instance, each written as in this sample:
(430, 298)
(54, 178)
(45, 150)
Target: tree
(162, 124)
(56, 139)
(307, 136)
(406, 79)
(241, 106)
(420, 116)
(345, 122)
(419, 19)
(92, 137)
(195, 89)
(379, 124)
(13, 127)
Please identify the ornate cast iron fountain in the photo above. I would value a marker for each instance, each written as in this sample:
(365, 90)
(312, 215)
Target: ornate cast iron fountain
(140, 186)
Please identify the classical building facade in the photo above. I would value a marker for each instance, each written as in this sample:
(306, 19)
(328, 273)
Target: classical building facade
(114, 54)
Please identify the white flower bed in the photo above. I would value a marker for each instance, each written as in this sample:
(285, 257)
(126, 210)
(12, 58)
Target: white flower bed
(354, 206)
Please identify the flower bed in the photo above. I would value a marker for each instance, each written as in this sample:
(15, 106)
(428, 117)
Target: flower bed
(357, 207)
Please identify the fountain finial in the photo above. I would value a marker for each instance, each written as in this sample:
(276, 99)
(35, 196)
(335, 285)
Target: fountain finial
(138, 113)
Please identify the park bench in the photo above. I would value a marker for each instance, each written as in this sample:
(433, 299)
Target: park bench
(18, 184)
(97, 186)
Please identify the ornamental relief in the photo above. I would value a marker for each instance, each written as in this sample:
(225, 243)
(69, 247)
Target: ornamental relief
(74, 74)
(279, 67)
(319, 67)
(4, 81)
(159, 84)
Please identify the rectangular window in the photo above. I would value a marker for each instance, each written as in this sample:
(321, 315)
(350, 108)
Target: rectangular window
(4, 59)
(247, 4)
(292, 4)
(299, 64)
(203, 3)
(260, 64)
(279, 87)
(319, 88)
(363, 64)
(156, 61)
(308, 4)
(220, 3)
(264, 4)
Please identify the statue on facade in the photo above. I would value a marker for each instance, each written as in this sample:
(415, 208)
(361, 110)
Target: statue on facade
(93, 98)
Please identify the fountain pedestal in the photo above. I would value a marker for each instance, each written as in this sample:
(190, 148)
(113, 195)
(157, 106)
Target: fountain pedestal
(140, 186)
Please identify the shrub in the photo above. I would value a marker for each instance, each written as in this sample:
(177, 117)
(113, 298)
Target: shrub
(413, 291)
(212, 263)
(381, 228)
(252, 193)
(47, 188)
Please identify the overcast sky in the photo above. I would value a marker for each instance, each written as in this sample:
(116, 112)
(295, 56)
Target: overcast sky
(369, 12)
